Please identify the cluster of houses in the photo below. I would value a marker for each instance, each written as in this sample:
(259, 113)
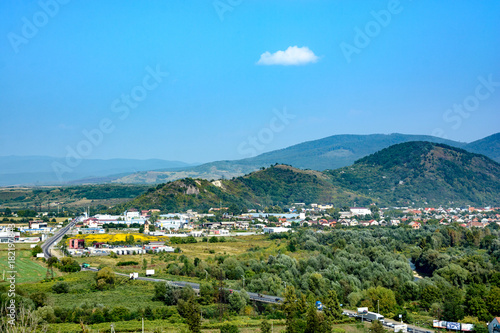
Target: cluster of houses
(197, 224)
(315, 215)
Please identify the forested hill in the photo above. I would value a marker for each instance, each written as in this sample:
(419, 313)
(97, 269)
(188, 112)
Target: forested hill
(412, 173)
(423, 173)
(277, 185)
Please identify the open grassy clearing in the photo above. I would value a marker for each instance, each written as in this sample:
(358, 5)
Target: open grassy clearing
(130, 294)
(235, 246)
(28, 269)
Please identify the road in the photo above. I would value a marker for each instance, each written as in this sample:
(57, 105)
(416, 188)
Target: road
(196, 286)
(411, 328)
(57, 236)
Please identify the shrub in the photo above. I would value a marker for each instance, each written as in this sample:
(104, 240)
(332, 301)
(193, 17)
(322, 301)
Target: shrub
(60, 288)
(37, 249)
(229, 328)
(127, 263)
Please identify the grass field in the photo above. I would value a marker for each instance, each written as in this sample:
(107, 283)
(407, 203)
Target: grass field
(28, 269)
(154, 326)
(255, 246)
(236, 246)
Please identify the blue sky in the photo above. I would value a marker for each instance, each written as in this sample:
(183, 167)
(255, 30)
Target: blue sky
(65, 67)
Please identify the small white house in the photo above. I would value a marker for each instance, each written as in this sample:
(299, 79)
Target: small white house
(360, 211)
(271, 230)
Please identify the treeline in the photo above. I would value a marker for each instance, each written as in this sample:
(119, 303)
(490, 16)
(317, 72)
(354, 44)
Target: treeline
(366, 265)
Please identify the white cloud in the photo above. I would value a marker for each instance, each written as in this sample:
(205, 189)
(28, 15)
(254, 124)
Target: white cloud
(293, 55)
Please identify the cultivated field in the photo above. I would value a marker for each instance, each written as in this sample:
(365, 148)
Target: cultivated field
(28, 269)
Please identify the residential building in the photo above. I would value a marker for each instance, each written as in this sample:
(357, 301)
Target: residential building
(76, 243)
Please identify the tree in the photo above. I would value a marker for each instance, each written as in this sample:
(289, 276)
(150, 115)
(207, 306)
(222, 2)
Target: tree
(385, 298)
(331, 306)
(236, 302)
(208, 293)
(289, 307)
(105, 278)
(129, 239)
(191, 311)
(265, 327)
(312, 320)
(167, 293)
(452, 305)
(430, 295)
(493, 301)
(377, 327)
(480, 328)
(39, 298)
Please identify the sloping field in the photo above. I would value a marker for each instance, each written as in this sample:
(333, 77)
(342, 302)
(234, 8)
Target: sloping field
(28, 268)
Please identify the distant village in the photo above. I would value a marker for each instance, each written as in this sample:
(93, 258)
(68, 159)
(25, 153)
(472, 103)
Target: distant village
(217, 222)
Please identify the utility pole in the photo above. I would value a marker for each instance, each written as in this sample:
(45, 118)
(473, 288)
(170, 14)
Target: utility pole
(378, 307)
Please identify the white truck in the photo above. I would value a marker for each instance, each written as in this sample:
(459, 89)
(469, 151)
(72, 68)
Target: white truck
(400, 328)
(134, 276)
(150, 272)
(371, 316)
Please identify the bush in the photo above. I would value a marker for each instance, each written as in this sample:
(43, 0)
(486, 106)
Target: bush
(105, 279)
(68, 265)
(127, 263)
(229, 328)
(60, 288)
(37, 249)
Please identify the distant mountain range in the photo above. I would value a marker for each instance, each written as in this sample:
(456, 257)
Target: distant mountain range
(411, 173)
(324, 154)
(39, 170)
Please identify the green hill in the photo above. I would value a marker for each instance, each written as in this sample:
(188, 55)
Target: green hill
(423, 173)
(277, 185)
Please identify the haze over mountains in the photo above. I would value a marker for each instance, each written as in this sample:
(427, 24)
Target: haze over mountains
(38, 170)
(324, 154)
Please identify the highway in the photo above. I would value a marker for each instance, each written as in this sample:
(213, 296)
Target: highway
(57, 236)
(253, 296)
(389, 323)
